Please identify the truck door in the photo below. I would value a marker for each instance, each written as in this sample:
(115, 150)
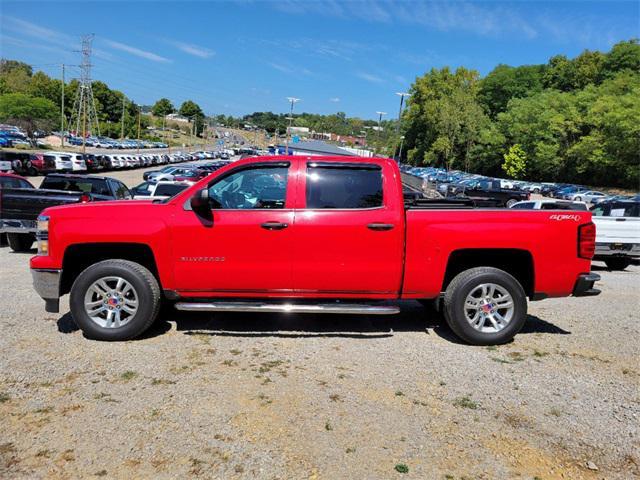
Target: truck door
(348, 235)
(244, 246)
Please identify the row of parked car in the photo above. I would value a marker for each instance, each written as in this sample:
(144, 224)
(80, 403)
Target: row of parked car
(456, 183)
(110, 143)
(50, 161)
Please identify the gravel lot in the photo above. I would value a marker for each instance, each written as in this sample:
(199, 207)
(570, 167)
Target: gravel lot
(304, 396)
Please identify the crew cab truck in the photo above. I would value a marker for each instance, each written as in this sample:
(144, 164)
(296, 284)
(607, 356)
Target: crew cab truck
(308, 234)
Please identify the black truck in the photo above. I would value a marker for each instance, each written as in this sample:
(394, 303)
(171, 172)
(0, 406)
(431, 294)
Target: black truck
(20, 207)
(491, 190)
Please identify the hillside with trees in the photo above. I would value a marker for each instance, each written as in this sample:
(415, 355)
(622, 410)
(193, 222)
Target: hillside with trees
(574, 120)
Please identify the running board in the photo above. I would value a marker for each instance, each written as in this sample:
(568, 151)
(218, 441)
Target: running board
(358, 309)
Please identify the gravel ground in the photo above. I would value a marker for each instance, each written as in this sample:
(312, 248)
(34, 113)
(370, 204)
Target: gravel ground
(304, 396)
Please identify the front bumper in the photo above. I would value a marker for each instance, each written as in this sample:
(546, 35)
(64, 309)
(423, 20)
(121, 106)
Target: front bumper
(47, 284)
(17, 226)
(584, 285)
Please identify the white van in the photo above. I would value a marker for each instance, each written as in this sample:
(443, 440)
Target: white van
(78, 163)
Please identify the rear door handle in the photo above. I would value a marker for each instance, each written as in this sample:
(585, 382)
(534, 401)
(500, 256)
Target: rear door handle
(379, 227)
(274, 225)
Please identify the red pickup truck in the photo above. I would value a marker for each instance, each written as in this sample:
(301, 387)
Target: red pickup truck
(308, 234)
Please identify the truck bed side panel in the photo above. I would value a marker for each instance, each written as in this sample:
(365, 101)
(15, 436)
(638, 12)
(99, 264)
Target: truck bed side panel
(550, 238)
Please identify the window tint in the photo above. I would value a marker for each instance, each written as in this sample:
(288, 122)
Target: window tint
(121, 191)
(251, 188)
(335, 186)
(142, 189)
(169, 190)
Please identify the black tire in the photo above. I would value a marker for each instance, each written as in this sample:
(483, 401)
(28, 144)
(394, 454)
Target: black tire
(462, 285)
(511, 201)
(617, 263)
(20, 242)
(536, 190)
(32, 171)
(577, 199)
(145, 285)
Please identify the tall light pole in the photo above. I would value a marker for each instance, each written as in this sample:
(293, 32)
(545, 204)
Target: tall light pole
(292, 101)
(380, 114)
(401, 95)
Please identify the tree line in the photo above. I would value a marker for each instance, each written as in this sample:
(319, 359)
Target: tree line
(574, 120)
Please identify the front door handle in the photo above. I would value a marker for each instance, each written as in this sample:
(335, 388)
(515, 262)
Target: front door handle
(274, 225)
(379, 227)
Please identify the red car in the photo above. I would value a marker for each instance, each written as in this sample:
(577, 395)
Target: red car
(308, 234)
(191, 176)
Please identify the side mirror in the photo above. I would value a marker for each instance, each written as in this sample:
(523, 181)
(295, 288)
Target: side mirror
(200, 200)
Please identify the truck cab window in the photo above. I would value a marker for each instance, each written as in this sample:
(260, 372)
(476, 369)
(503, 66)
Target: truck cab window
(330, 186)
(252, 188)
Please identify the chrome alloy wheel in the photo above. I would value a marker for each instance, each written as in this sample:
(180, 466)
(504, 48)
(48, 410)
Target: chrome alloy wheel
(489, 308)
(111, 302)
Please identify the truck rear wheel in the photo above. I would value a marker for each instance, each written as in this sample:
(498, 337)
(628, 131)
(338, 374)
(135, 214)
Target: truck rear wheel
(115, 300)
(617, 263)
(20, 242)
(485, 306)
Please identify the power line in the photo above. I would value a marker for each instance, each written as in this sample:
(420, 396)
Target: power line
(84, 109)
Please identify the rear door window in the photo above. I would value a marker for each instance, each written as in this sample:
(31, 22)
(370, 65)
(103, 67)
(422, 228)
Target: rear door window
(343, 186)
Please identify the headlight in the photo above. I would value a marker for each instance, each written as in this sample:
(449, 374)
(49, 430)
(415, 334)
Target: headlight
(42, 235)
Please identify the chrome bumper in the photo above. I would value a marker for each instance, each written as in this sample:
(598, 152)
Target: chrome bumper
(47, 284)
(617, 249)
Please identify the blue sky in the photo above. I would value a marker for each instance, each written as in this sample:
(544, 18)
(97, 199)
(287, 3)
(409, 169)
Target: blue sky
(352, 56)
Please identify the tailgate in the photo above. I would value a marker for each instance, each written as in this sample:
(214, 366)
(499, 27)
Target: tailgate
(617, 229)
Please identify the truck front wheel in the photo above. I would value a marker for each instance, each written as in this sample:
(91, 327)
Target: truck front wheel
(115, 300)
(485, 306)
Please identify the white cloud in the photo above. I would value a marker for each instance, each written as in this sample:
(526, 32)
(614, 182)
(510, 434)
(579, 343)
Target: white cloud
(334, 99)
(369, 77)
(194, 50)
(136, 51)
(481, 18)
(32, 30)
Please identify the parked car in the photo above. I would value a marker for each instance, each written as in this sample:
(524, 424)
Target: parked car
(550, 205)
(158, 190)
(20, 207)
(617, 232)
(254, 236)
(586, 196)
(78, 162)
(491, 189)
(190, 176)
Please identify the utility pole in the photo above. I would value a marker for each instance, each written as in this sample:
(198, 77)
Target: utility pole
(380, 114)
(292, 100)
(62, 111)
(138, 142)
(122, 120)
(402, 95)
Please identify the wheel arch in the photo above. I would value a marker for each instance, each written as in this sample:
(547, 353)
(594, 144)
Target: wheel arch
(517, 262)
(80, 256)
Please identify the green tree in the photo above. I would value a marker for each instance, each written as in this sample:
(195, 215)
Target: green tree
(515, 162)
(504, 83)
(30, 113)
(162, 107)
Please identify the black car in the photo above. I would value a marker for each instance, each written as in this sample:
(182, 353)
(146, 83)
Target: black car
(491, 190)
(20, 207)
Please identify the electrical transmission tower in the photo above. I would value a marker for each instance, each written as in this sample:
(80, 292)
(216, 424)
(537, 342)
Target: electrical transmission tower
(84, 115)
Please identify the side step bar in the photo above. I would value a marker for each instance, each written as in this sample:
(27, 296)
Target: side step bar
(359, 309)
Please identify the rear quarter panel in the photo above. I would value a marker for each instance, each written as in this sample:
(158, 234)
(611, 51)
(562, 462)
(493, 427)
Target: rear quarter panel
(550, 237)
